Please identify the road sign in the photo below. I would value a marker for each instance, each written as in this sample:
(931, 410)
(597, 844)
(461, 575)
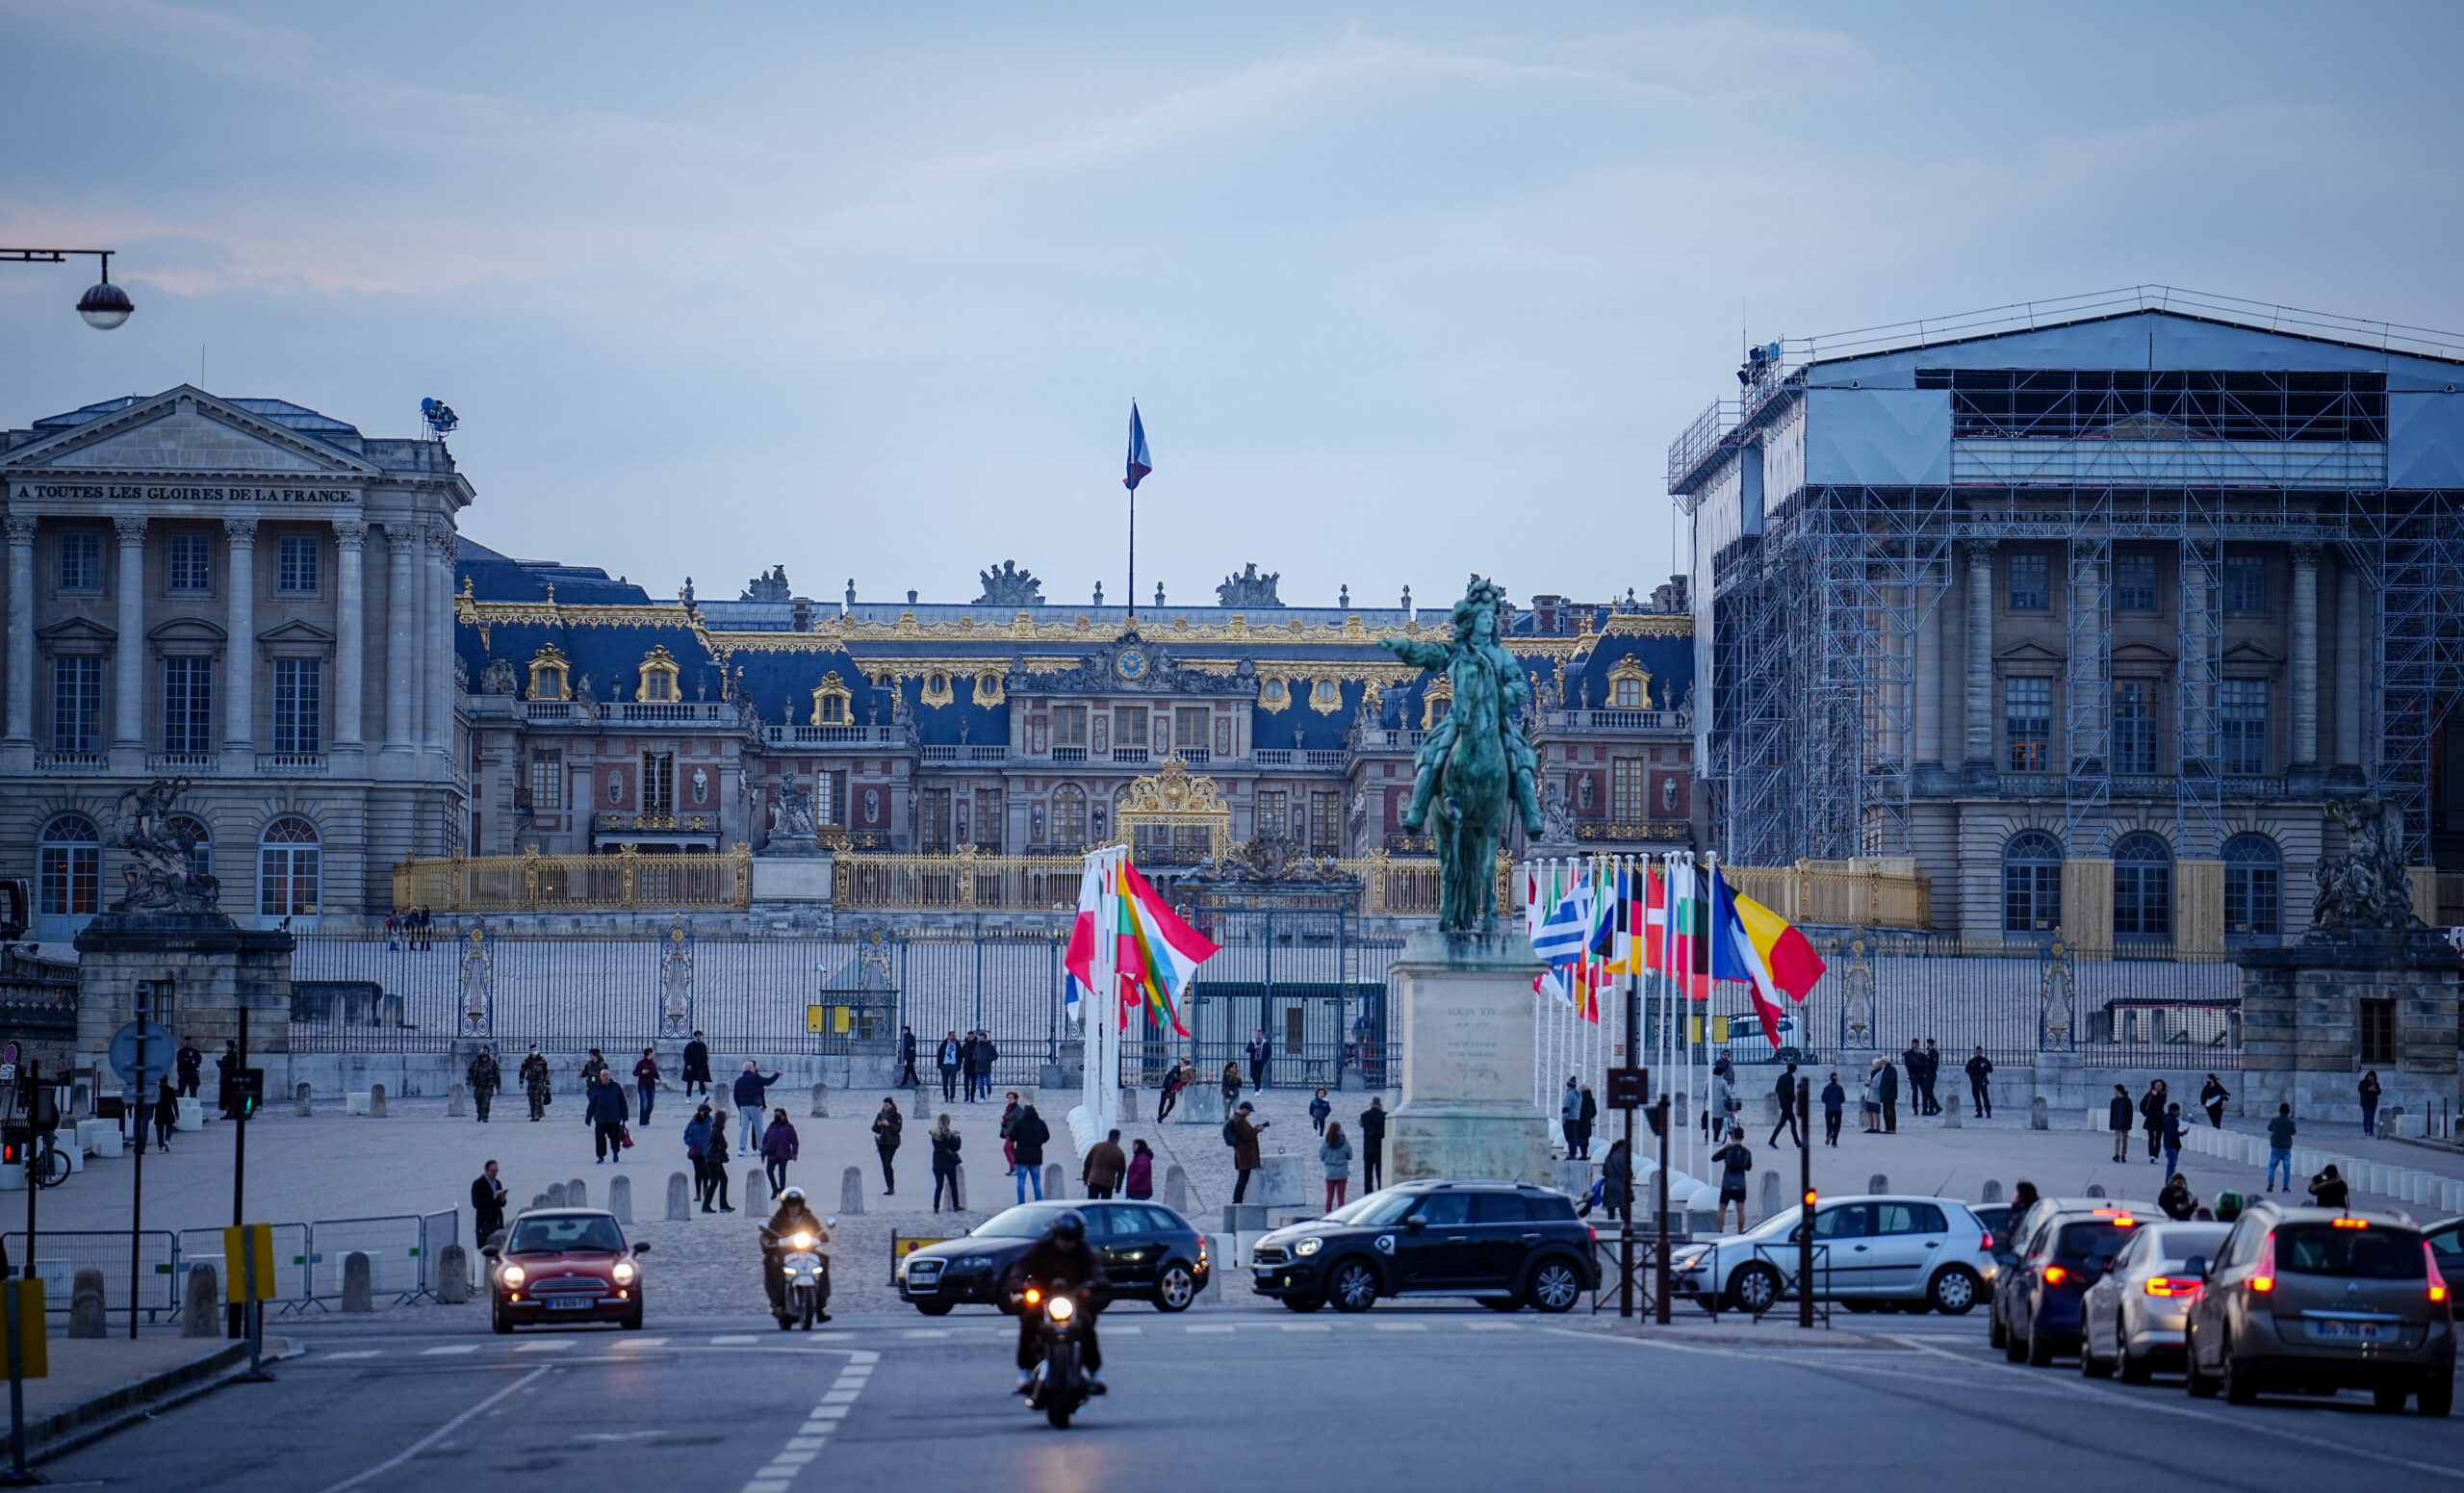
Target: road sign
(142, 1053)
(236, 1261)
(1628, 1088)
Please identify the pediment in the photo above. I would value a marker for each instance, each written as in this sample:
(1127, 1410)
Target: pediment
(2140, 653)
(75, 635)
(2028, 652)
(2247, 652)
(296, 637)
(187, 430)
(187, 634)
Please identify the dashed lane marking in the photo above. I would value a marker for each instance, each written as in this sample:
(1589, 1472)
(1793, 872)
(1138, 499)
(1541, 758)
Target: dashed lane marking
(735, 1340)
(545, 1345)
(459, 1347)
(1195, 1328)
(814, 1435)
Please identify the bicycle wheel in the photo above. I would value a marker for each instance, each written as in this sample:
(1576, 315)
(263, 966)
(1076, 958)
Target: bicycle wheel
(51, 1168)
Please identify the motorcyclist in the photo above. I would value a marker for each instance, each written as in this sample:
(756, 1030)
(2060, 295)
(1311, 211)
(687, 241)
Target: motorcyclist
(1063, 1254)
(794, 1217)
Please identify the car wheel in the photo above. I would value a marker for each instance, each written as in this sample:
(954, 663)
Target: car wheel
(1953, 1292)
(497, 1319)
(2241, 1386)
(2040, 1351)
(2089, 1365)
(1556, 1285)
(2134, 1367)
(1755, 1288)
(2014, 1347)
(2437, 1395)
(1994, 1335)
(1303, 1304)
(1860, 1308)
(1175, 1288)
(933, 1308)
(632, 1321)
(2193, 1380)
(1502, 1303)
(1353, 1286)
(2389, 1399)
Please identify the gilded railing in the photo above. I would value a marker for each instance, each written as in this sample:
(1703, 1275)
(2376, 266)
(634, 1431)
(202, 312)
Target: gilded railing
(535, 882)
(965, 879)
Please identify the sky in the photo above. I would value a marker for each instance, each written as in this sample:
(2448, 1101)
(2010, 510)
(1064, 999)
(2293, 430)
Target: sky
(1404, 292)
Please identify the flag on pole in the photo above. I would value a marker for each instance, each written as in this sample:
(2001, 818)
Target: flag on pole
(1655, 920)
(1079, 958)
(1159, 953)
(1685, 926)
(1754, 945)
(1139, 463)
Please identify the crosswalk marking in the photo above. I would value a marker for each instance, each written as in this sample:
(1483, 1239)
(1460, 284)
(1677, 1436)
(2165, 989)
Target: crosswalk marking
(463, 1347)
(1404, 1327)
(1195, 1328)
(735, 1340)
(364, 1353)
(1304, 1327)
(554, 1345)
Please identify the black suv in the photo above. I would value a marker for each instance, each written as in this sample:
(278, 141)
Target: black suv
(1151, 1253)
(1506, 1244)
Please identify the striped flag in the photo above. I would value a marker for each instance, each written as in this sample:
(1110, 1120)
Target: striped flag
(1762, 949)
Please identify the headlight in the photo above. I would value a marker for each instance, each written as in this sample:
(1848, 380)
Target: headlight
(623, 1272)
(800, 1241)
(1308, 1246)
(512, 1275)
(974, 1262)
(1063, 1308)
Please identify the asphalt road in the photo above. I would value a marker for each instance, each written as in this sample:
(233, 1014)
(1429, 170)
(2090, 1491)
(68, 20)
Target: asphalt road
(1231, 1399)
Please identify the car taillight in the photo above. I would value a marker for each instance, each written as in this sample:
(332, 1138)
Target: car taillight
(2173, 1285)
(2055, 1274)
(2437, 1281)
(1985, 1244)
(2264, 1277)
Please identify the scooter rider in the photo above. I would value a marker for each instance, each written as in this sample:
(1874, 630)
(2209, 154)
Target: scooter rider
(1061, 1255)
(793, 1217)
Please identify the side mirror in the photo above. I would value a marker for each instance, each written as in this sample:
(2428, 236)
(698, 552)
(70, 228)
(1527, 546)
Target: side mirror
(489, 1250)
(641, 1248)
(2196, 1265)
(1415, 1224)
(830, 1222)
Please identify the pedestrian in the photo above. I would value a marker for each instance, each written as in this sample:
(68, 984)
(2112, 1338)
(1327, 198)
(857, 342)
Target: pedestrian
(591, 1067)
(1140, 1180)
(536, 1084)
(2328, 1188)
(1261, 1058)
(485, 1078)
(167, 1112)
(1873, 1102)
(889, 1128)
(1569, 1116)
(1027, 1135)
(1319, 1110)
(907, 1078)
(1932, 1075)
(1834, 1099)
(947, 1059)
(697, 1066)
(1715, 1114)
(1334, 1159)
(2212, 1095)
(1175, 1079)
(605, 1112)
(2368, 1090)
(714, 1156)
(1231, 1084)
(1585, 1121)
(227, 1072)
(986, 1055)
(2122, 1119)
(2176, 1199)
(1009, 1113)
(1913, 1061)
(1889, 1088)
(2168, 1135)
(697, 1150)
(1980, 1086)
(1617, 1181)
(487, 1201)
(966, 1066)
(191, 1066)
(2280, 1132)
(1105, 1163)
(1785, 1092)
(1736, 1166)
(1373, 1144)
(646, 1080)
(1241, 1133)
(751, 1094)
(946, 1143)
(394, 932)
(779, 1147)
(2152, 1115)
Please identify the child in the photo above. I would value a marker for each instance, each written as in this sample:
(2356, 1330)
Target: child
(1319, 1110)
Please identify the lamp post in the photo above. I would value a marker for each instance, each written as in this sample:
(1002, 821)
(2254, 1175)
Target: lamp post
(104, 305)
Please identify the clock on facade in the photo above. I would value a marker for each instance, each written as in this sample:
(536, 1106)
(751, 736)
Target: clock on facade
(1130, 664)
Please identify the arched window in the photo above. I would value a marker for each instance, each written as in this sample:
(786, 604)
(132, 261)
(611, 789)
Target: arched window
(70, 868)
(2142, 889)
(1070, 817)
(290, 869)
(2031, 883)
(2253, 888)
(199, 839)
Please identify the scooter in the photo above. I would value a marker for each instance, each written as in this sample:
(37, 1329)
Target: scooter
(1058, 1384)
(806, 1276)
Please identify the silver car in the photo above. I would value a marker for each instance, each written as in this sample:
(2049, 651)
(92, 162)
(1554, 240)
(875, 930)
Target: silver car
(1896, 1253)
(2133, 1318)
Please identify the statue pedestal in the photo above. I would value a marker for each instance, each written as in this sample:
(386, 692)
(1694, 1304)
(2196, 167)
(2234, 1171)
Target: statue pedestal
(215, 970)
(1467, 1038)
(2302, 1010)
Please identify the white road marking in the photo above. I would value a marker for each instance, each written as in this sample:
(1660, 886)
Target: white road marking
(813, 1435)
(364, 1353)
(1307, 1326)
(1195, 1329)
(735, 1340)
(438, 1434)
(640, 1342)
(543, 1346)
(1415, 1326)
(925, 1332)
(433, 1353)
(1500, 1327)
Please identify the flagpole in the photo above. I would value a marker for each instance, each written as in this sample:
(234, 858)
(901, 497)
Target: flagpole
(1132, 554)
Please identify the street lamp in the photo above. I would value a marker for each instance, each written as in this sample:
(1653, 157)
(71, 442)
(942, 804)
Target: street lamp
(104, 305)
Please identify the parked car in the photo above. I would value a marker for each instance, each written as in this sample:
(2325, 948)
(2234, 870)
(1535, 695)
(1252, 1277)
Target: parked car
(1150, 1252)
(1747, 1043)
(564, 1265)
(2324, 1299)
(1998, 1221)
(1508, 1246)
(1892, 1253)
(2062, 1246)
(2133, 1318)
(2446, 1245)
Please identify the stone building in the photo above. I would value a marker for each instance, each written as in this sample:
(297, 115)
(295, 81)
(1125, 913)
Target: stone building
(244, 593)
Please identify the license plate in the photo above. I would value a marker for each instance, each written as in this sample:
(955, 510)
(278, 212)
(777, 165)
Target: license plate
(2352, 1332)
(572, 1306)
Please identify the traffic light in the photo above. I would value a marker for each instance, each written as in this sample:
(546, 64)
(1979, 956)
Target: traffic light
(247, 1091)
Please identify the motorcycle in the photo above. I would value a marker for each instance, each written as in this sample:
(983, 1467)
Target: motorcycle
(1058, 1384)
(805, 1271)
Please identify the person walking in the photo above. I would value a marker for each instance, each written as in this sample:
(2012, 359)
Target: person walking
(697, 1146)
(966, 1067)
(2368, 1091)
(1175, 1079)
(714, 1157)
(986, 1055)
(1913, 1061)
(2168, 1136)
(1318, 1108)
(1932, 1076)
(1617, 1181)
(2176, 1199)
(1334, 1159)
(1785, 1092)
(485, 1078)
(1027, 1135)
(1874, 1096)
(487, 1203)
(646, 1081)
(2212, 1095)
(951, 1054)
(1586, 1117)
(1140, 1180)
(592, 1067)
(1231, 1084)
(605, 1112)
(696, 1066)
(751, 1096)
(167, 1112)
(946, 1143)
(779, 1147)
(889, 1128)
(1101, 1173)
(2122, 1119)
(1373, 1144)
(2328, 1189)
(191, 1064)
(2280, 1133)
(1242, 1132)
(1736, 1166)
(1834, 1099)
(907, 1078)
(1261, 1058)
(1569, 1116)
(2151, 1113)
(1890, 1097)
(1980, 1086)
(537, 1085)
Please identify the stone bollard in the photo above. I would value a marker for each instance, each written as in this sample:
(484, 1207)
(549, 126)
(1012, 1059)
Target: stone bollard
(620, 1199)
(1176, 1189)
(457, 1103)
(1129, 1104)
(375, 1101)
(756, 1182)
(1951, 1116)
(1676, 1112)
(557, 1195)
(199, 1303)
(541, 1201)
(2038, 1118)
(851, 1191)
(680, 1197)
(300, 1101)
(821, 1101)
(917, 1107)
(1567, 1175)
(452, 1276)
(577, 1194)
(1771, 1111)
(1878, 1183)
(359, 1293)
(1056, 1182)
(1771, 1204)
(86, 1305)
(1222, 1261)
(2095, 1188)
(1993, 1193)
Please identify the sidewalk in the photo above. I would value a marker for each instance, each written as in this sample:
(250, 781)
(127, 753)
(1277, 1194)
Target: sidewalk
(97, 1384)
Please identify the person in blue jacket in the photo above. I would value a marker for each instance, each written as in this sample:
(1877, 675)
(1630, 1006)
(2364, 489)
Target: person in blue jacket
(751, 1096)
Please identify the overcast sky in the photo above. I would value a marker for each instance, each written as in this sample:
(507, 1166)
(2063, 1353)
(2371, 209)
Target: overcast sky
(1404, 291)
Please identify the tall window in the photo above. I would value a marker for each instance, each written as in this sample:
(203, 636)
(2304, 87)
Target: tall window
(2031, 582)
(2027, 722)
(1188, 728)
(547, 781)
(659, 782)
(1627, 803)
(2031, 883)
(199, 840)
(1275, 813)
(1326, 822)
(2133, 583)
(188, 704)
(77, 702)
(2245, 584)
(988, 820)
(1069, 726)
(296, 574)
(2377, 1020)
(934, 822)
(1626, 694)
(2242, 721)
(69, 867)
(1070, 817)
(81, 561)
(1129, 727)
(2134, 725)
(2253, 888)
(192, 564)
(290, 869)
(299, 705)
(2142, 887)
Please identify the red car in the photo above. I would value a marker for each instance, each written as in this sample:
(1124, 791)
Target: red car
(564, 1265)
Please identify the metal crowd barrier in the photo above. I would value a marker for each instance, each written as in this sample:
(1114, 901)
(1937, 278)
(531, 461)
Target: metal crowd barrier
(59, 1255)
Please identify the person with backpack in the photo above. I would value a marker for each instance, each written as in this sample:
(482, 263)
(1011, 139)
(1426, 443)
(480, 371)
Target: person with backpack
(1980, 1086)
(1737, 1165)
(1241, 1133)
(2280, 1133)
(1027, 1135)
(485, 1079)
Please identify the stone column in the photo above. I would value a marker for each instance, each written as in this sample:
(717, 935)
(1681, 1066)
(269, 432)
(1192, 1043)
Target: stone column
(2086, 696)
(440, 640)
(2301, 754)
(2352, 682)
(1929, 680)
(402, 628)
(128, 714)
(350, 645)
(22, 632)
(240, 646)
(1978, 760)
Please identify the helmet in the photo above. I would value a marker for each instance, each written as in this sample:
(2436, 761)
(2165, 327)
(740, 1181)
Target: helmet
(1068, 1229)
(793, 1195)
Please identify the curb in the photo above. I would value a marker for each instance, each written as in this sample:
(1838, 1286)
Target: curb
(66, 1429)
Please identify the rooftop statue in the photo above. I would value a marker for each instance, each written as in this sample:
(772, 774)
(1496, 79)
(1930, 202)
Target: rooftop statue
(1475, 764)
(1006, 586)
(771, 585)
(1248, 588)
(2365, 886)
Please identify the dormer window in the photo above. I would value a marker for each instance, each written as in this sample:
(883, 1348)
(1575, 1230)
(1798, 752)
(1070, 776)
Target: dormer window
(549, 675)
(833, 703)
(658, 677)
(1629, 686)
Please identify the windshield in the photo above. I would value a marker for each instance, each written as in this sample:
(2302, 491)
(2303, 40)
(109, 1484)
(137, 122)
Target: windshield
(557, 1236)
(2368, 1254)
(1376, 1210)
(1775, 1224)
(2100, 1239)
(2180, 1243)
(1032, 1221)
